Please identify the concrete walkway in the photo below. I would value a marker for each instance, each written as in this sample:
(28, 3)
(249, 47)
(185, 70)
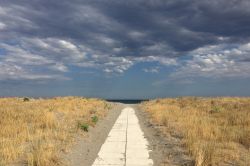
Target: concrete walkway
(125, 144)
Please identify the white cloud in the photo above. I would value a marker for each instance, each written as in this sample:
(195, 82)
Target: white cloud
(54, 55)
(219, 61)
(18, 55)
(91, 15)
(59, 67)
(68, 45)
(151, 70)
(2, 26)
(54, 48)
(166, 61)
(11, 71)
(12, 16)
(136, 34)
(36, 59)
(106, 40)
(112, 64)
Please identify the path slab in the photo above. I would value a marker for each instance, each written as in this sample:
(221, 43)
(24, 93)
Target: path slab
(125, 144)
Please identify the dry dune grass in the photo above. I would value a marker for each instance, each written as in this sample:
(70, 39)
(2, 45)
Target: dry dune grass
(216, 131)
(34, 132)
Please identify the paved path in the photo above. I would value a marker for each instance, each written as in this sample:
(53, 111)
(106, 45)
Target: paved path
(125, 144)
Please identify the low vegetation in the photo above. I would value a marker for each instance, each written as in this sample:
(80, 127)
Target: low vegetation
(35, 131)
(94, 119)
(84, 126)
(215, 131)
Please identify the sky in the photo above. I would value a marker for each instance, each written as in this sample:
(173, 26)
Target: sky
(124, 49)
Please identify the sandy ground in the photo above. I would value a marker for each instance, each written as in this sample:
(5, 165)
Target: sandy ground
(167, 150)
(86, 149)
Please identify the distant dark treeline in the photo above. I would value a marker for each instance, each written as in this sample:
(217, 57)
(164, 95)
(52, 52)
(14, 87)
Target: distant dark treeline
(126, 101)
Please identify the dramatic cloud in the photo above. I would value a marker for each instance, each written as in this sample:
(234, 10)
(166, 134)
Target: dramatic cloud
(42, 39)
(217, 61)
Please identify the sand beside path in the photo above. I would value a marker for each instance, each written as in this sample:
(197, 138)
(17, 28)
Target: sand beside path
(127, 137)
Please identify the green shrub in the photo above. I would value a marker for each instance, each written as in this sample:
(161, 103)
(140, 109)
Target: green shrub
(94, 119)
(83, 126)
(26, 99)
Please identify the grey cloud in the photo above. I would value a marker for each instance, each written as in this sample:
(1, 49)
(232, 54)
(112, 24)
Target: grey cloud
(177, 24)
(113, 35)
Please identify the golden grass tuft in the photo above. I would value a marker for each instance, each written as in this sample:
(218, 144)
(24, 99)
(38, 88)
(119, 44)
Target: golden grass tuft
(215, 131)
(35, 131)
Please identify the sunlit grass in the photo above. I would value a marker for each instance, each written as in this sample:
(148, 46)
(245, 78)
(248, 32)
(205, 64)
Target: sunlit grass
(36, 131)
(216, 131)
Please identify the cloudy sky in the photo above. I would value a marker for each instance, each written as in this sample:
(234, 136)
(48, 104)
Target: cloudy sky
(125, 48)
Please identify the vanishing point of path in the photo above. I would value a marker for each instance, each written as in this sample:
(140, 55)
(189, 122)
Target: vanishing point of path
(125, 144)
